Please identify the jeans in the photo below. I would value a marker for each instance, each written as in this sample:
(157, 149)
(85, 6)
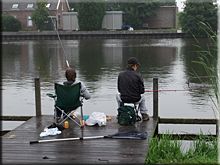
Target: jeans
(141, 103)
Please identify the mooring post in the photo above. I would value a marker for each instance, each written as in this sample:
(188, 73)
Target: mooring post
(155, 98)
(217, 128)
(37, 97)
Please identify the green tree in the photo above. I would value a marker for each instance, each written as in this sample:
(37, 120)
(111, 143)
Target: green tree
(136, 13)
(196, 12)
(9, 23)
(40, 16)
(90, 15)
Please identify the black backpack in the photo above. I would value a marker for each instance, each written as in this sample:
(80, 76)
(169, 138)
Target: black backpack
(126, 115)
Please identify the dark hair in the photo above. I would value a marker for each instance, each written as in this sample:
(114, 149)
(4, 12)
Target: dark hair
(133, 61)
(70, 74)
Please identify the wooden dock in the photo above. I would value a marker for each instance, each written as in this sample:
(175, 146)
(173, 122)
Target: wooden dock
(16, 147)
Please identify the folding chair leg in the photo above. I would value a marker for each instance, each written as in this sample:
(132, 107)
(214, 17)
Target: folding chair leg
(82, 122)
(69, 116)
(55, 116)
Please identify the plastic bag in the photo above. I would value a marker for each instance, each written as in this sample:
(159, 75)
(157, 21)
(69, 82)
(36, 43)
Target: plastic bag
(96, 118)
(50, 131)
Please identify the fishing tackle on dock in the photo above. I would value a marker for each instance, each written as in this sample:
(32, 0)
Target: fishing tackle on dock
(133, 135)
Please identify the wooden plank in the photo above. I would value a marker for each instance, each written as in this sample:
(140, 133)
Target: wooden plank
(187, 121)
(37, 96)
(155, 98)
(17, 149)
(15, 118)
(188, 136)
(4, 132)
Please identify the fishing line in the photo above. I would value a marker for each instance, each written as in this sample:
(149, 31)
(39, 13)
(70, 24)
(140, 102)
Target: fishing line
(67, 63)
(209, 95)
(167, 90)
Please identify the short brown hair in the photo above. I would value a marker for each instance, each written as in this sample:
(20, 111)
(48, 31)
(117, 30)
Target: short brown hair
(70, 74)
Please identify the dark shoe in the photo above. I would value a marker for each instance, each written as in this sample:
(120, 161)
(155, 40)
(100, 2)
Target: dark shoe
(145, 116)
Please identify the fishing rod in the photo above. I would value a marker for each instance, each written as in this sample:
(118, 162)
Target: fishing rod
(67, 63)
(132, 135)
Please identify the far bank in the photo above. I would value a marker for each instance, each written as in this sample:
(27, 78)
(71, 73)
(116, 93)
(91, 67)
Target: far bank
(113, 34)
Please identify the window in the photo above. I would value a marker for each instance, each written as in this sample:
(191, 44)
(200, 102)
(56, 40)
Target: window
(48, 5)
(30, 5)
(29, 21)
(59, 21)
(14, 6)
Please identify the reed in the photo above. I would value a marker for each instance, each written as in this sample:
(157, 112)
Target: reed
(203, 151)
(164, 150)
(208, 60)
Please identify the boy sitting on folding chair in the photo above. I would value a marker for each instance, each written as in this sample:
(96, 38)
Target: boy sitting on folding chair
(71, 80)
(68, 98)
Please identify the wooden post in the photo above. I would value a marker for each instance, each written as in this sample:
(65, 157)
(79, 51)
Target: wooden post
(37, 96)
(217, 128)
(155, 98)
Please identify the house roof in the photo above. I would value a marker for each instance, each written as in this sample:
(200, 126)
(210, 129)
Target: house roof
(22, 4)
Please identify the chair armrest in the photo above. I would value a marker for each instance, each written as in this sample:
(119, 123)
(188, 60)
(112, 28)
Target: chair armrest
(51, 95)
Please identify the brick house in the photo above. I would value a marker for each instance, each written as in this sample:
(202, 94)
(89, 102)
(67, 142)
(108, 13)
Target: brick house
(165, 18)
(22, 10)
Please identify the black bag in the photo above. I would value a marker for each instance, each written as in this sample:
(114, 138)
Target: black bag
(126, 115)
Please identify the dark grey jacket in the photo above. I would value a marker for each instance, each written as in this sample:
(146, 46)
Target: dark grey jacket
(130, 86)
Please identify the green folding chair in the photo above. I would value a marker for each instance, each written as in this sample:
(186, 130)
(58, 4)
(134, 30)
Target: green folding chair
(67, 100)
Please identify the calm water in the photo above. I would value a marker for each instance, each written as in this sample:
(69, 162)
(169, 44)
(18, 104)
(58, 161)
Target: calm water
(98, 63)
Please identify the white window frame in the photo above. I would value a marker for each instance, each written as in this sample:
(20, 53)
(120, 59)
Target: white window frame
(29, 21)
(15, 6)
(30, 5)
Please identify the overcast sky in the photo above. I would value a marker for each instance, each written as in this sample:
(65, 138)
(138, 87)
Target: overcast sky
(180, 4)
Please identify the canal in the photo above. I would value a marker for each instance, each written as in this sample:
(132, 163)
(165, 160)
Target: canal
(98, 62)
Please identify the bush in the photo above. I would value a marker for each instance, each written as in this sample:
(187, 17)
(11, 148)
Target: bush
(9, 23)
(40, 16)
(90, 15)
(194, 13)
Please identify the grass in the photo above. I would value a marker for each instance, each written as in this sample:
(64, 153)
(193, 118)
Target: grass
(164, 150)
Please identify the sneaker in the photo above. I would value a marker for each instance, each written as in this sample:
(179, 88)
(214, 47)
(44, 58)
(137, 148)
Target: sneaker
(145, 116)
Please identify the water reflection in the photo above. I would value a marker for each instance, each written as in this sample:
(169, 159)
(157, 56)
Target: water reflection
(98, 62)
(201, 76)
(112, 51)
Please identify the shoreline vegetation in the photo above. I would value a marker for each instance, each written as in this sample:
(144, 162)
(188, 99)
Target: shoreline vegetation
(203, 150)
